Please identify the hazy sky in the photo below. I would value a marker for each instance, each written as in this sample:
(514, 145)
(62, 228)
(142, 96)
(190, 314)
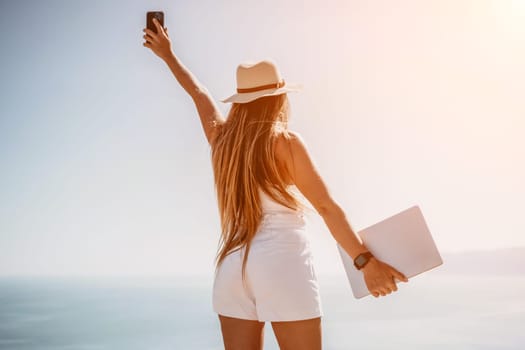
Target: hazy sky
(105, 168)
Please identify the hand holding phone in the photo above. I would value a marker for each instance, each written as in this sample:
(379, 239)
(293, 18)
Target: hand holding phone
(159, 15)
(156, 35)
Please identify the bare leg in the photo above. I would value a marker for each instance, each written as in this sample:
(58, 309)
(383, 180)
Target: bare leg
(239, 334)
(303, 334)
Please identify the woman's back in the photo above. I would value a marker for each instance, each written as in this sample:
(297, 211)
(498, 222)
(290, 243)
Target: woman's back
(269, 205)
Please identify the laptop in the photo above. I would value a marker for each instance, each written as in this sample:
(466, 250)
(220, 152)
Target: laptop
(402, 241)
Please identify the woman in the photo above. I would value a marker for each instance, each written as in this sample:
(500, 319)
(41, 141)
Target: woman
(264, 269)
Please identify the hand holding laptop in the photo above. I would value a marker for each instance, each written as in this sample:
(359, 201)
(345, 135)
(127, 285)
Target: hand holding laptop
(380, 277)
(404, 241)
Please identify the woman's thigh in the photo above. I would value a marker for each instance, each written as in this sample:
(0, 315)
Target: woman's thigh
(303, 334)
(240, 334)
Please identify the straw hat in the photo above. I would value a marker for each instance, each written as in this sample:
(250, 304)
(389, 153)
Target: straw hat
(259, 79)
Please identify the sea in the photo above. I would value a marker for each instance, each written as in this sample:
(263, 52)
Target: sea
(430, 312)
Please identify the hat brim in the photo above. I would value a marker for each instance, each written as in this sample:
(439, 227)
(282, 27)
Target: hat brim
(250, 96)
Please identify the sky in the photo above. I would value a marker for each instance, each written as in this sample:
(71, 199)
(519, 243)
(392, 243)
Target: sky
(105, 168)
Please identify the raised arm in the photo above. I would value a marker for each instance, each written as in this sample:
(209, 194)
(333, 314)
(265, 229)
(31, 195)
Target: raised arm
(210, 116)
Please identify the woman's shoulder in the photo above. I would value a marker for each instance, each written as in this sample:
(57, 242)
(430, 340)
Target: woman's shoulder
(285, 138)
(287, 143)
(289, 134)
(283, 152)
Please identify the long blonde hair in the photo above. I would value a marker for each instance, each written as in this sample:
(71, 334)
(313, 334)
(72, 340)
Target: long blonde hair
(243, 160)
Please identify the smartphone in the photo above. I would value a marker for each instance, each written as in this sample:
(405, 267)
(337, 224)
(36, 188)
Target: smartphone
(159, 15)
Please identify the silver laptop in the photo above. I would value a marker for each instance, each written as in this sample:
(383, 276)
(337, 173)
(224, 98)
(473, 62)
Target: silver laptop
(402, 241)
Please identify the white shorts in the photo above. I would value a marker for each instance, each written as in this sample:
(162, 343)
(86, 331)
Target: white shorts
(280, 284)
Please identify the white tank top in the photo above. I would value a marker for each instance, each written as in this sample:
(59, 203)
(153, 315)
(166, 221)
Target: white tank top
(270, 206)
(279, 222)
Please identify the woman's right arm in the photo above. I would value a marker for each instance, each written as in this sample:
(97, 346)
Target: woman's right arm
(378, 275)
(209, 114)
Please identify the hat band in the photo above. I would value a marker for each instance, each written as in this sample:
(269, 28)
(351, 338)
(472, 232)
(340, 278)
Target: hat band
(262, 87)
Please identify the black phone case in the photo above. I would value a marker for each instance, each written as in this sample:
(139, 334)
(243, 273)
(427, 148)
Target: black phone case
(149, 19)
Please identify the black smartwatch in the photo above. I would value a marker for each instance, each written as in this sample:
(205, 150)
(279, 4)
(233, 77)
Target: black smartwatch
(362, 259)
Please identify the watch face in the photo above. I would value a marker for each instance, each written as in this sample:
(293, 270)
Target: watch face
(360, 260)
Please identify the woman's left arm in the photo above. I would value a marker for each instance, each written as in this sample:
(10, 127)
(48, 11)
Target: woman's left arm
(210, 116)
